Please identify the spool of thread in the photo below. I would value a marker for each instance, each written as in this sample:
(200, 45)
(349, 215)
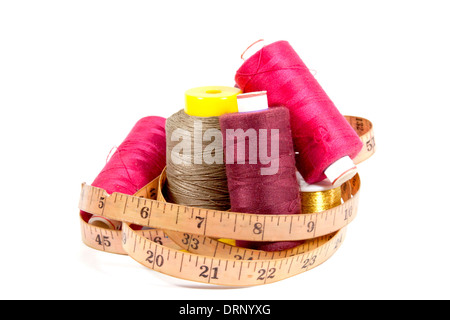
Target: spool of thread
(139, 159)
(195, 168)
(324, 140)
(255, 183)
(318, 197)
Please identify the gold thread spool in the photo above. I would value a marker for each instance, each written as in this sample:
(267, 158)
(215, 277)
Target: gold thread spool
(319, 197)
(319, 201)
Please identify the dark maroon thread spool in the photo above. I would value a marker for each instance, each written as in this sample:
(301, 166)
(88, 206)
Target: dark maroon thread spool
(259, 180)
(324, 140)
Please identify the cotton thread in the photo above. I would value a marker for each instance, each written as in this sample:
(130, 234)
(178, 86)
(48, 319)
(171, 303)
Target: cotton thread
(139, 159)
(321, 134)
(250, 191)
(190, 180)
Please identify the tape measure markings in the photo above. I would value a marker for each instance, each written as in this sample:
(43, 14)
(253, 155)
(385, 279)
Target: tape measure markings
(364, 129)
(353, 185)
(109, 240)
(101, 238)
(217, 223)
(262, 230)
(187, 236)
(225, 271)
(345, 213)
(211, 247)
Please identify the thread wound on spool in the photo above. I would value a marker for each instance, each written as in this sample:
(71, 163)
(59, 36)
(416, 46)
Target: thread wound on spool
(139, 159)
(257, 182)
(320, 133)
(318, 201)
(195, 170)
(320, 196)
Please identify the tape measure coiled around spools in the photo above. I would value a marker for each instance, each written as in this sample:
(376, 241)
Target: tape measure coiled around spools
(183, 241)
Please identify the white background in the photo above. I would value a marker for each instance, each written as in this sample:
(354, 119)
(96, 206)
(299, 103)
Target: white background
(75, 76)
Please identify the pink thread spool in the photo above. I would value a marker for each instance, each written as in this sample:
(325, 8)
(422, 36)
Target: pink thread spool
(253, 190)
(139, 159)
(324, 140)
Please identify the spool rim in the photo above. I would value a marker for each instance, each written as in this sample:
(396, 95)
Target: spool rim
(210, 101)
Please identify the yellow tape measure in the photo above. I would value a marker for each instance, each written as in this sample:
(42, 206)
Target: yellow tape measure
(183, 241)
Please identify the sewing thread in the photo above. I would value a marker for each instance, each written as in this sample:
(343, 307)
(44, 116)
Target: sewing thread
(139, 159)
(195, 170)
(250, 191)
(321, 134)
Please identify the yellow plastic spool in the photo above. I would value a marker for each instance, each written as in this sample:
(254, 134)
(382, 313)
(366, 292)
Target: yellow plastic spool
(211, 101)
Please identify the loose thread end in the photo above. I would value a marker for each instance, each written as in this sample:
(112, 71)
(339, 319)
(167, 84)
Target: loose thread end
(251, 46)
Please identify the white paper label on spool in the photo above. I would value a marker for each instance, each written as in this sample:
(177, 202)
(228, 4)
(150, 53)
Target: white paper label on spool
(323, 185)
(341, 171)
(252, 101)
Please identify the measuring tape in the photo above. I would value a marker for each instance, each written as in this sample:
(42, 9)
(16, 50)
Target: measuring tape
(185, 242)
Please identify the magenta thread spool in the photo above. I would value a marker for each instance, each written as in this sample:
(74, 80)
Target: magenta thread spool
(324, 140)
(139, 159)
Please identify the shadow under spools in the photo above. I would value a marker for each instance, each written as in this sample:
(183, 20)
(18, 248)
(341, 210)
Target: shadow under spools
(260, 167)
